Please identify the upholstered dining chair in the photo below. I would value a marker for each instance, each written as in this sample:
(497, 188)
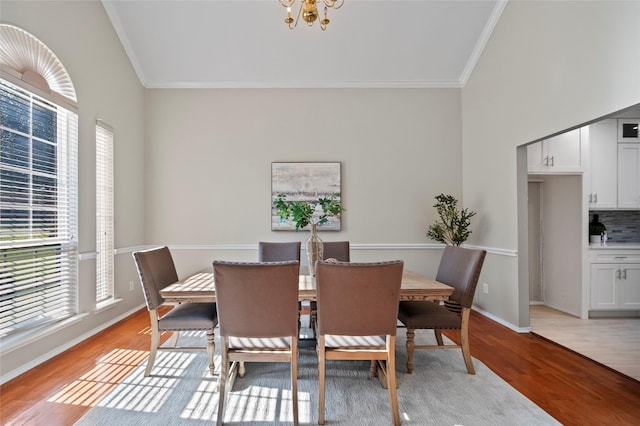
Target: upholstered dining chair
(338, 250)
(157, 270)
(258, 314)
(278, 251)
(357, 318)
(460, 268)
(333, 250)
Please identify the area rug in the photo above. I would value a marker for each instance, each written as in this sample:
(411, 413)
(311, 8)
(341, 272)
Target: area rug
(439, 392)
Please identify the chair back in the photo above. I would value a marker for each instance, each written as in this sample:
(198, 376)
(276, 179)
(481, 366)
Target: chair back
(338, 250)
(257, 300)
(278, 251)
(358, 299)
(460, 268)
(156, 271)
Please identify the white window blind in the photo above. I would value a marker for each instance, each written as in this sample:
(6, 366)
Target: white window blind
(38, 206)
(104, 212)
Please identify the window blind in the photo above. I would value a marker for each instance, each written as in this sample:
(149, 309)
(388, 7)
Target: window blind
(104, 212)
(38, 210)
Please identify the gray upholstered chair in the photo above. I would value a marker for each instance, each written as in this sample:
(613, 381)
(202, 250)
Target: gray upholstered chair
(338, 250)
(459, 268)
(365, 333)
(157, 270)
(258, 313)
(333, 250)
(278, 251)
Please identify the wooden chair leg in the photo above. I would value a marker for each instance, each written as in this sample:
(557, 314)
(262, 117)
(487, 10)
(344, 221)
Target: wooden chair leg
(321, 378)
(411, 345)
(313, 318)
(153, 350)
(222, 380)
(294, 379)
(438, 334)
(464, 341)
(211, 350)
(174, 339)
(373, 369)
(391, 378)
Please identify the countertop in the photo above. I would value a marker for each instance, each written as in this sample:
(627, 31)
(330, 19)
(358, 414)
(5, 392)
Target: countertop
(615, 246)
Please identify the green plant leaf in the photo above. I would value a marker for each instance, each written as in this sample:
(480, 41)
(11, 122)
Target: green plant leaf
(453, 226)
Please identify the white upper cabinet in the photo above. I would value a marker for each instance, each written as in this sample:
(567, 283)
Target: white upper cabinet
(603, 177)
(560, 154)
(629, 175)
(629, 130)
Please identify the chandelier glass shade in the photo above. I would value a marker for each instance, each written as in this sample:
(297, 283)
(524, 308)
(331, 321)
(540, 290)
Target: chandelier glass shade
(309, 12)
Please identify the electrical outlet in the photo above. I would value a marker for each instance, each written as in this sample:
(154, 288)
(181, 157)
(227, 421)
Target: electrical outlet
(485, 288)
(130, 285)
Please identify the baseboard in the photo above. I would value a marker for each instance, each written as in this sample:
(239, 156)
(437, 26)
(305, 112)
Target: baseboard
(501, 321)
(614, 314)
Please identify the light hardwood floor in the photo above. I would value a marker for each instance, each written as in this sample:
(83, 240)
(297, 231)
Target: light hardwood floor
(613, 342)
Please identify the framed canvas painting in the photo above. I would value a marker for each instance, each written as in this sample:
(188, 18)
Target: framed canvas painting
(304, 181)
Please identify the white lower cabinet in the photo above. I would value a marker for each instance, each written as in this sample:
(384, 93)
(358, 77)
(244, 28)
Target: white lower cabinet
(630, 287)
(615, 286)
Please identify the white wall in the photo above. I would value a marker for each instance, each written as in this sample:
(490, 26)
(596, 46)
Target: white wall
(548, 66)
(82, 37)
(562, 220)
(209, 155)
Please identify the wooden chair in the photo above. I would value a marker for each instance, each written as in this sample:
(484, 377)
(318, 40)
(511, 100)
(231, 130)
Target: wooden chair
(333, 250)
(357, 317)
(157, 270)
(258, 314)
(459, 268)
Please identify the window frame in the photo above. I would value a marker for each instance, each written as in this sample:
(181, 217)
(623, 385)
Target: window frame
(19, 253)
(105, 254)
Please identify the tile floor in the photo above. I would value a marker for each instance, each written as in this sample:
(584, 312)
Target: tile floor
(614, 342)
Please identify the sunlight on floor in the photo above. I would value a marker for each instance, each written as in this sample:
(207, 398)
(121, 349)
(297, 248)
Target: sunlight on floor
(98, 382)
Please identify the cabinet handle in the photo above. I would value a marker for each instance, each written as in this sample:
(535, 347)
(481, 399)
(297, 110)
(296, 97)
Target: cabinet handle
(618, 274)
(590, 198)
(552, 161)
(545, 162)
(595, 198)
(625, 274)
(619, 257)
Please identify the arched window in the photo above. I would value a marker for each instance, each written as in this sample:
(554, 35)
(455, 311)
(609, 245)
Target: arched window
(38, 185)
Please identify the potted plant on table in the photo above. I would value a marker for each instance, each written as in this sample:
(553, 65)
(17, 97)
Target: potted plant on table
(311, 214)
(454, 226)
(597, 230)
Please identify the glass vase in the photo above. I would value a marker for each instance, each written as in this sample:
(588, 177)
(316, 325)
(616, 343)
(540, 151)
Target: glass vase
(315, 248)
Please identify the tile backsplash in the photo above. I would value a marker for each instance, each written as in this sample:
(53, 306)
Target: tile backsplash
(623, 226)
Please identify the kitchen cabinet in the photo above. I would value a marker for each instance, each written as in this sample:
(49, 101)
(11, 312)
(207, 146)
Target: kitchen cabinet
(603, 162)
(615, 280)
(560, 154)
(629, 130)
(629, 175)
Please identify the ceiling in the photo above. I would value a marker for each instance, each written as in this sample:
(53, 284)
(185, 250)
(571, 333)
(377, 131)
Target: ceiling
(246, 44)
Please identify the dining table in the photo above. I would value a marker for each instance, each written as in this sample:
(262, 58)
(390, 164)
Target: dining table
(200, 287)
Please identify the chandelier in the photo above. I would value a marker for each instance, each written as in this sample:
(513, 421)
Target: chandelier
(309, 12)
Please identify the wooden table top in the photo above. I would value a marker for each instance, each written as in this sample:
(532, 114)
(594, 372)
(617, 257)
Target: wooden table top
(200, 288)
